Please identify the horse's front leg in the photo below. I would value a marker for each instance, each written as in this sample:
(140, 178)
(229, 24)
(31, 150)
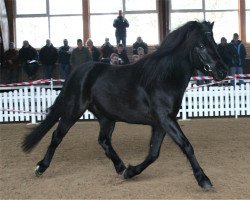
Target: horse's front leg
(173, 129)
(106, 130)
(157, 137)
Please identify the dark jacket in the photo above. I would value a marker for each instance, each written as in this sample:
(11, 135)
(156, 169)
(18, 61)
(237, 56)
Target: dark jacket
(11, 54)
(136, 45)
(64, 55)
(107, 49)
(28, 53)
(79, 56)
(124, 58)
(95, 54)
(225, 54)
(120, 23)
(238, 54)
(48, 55)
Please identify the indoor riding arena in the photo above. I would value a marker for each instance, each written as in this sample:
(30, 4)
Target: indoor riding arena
(176, 76)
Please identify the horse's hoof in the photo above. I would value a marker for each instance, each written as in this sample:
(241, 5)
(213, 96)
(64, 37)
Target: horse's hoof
(125, 174)
(206, 185)
(121, 174)
(37, 172)
(129, 172)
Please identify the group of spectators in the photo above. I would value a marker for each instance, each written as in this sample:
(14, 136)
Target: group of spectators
(233, 54)
(68, 58)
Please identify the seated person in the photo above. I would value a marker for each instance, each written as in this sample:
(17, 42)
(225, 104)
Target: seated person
(140, 52)
(122, 54)
(114, 59)
(135, 58)
(93, 50)
(106, 49)
(139, 43)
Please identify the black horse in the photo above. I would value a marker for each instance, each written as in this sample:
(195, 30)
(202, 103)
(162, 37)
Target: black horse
(148, 92)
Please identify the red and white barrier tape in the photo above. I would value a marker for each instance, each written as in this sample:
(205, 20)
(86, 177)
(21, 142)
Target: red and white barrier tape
(36, 82)
(203, 78)
(44, 81)
(214, 82)
(22, 111)
(205, 85)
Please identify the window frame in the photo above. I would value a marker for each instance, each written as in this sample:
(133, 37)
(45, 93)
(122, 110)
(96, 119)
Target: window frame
(48, 15)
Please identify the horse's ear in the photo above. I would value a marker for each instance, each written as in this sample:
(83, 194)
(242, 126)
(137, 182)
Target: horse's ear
(212, 25)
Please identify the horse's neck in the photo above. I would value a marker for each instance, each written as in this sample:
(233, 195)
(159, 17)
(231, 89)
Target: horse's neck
(182, 73)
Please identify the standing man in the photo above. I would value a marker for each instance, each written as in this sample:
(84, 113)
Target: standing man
(79, 55)
(48, 57)
(224, 51)
(95, 53)
(63, 59)
(238, 57)
(12, 64)
(28, 57)
(120, 23)
(106, 49)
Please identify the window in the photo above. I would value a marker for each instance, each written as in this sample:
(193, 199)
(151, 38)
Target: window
(23, 7)
(32, 29)
(48, 19)
(248, 20)
(141, 15)
(186, 4)
(221, 12)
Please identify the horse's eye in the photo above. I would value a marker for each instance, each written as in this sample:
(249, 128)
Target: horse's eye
(202, 46)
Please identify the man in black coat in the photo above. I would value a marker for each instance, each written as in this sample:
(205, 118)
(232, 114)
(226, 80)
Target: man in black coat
(64, 53)
(48, 57)
(28, 57)
(120, 23)
(225, 52)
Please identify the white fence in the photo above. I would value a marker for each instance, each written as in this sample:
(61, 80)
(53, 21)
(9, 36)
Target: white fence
(29, 104)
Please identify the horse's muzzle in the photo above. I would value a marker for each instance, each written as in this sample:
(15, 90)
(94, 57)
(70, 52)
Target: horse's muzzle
(219, 71)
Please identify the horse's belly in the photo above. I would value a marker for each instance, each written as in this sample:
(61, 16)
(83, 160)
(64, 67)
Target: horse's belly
(126, 111)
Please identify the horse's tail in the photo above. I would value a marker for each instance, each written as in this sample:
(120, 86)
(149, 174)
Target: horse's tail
(32, 139)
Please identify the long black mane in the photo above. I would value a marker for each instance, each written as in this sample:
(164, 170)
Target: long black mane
(178, 45)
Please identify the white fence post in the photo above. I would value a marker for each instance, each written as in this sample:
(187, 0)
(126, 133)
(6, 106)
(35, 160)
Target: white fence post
(32, 104)
(184, 105)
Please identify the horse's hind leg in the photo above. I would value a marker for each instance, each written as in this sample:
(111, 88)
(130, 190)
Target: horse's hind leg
(157, 137)
(106, 130)
(65, 123)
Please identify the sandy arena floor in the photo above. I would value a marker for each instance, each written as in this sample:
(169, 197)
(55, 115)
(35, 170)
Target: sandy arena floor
(81, 170)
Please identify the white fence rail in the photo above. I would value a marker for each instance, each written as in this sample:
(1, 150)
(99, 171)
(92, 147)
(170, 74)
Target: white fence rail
(29, 104)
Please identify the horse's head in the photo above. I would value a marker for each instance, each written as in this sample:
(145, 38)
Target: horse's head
(205, 55)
